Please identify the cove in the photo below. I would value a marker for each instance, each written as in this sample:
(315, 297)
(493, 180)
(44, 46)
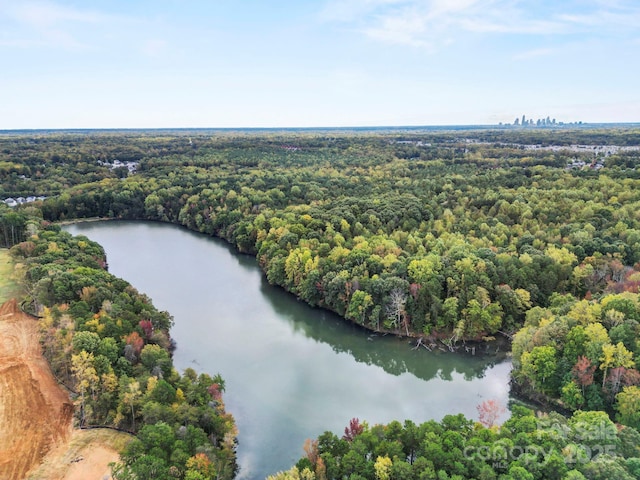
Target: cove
(291, 371)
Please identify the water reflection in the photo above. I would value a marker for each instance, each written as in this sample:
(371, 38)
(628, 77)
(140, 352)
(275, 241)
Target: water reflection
(396, 356)
(291, 371)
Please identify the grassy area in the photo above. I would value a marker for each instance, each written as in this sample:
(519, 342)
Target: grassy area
(8, 287)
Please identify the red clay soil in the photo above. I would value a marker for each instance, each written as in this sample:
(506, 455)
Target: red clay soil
(35, 413)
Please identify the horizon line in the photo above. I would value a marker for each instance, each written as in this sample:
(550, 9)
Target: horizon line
(558, 125)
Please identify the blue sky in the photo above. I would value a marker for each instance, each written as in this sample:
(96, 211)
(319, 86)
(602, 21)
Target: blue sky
(286, 63)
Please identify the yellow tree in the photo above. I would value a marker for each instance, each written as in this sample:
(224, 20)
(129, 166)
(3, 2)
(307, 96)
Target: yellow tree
(614, 356)
(421, 270)
(382, 467)
(131, 395)
(597, 337)
(295, 264)
(293, 474)
(202, 465)
(86, 378)
(585, 312)
(628, 406)
(358, 306)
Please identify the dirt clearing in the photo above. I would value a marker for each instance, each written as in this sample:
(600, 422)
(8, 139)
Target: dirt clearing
(85, 457)
(36, 436)
(35, 413)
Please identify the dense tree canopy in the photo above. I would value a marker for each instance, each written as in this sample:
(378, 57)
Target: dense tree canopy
(585, 446)
(449, 236)
(111, 347)
(582, 354)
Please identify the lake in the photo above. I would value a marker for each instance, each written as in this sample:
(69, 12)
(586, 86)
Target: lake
(291, 371)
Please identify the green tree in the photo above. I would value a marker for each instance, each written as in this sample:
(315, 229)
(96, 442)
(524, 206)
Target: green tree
(540, 366)
(572, 395)
(628, 406)
(359, 306)
(156, 359)
(87, 341)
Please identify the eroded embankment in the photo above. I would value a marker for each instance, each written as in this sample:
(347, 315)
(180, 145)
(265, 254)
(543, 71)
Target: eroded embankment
(35, 413)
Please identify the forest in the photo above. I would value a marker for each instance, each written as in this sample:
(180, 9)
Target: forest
(111, 348)
(588, 445)
(448, 237)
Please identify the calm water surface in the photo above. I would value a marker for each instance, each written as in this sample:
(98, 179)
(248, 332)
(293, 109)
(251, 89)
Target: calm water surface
(291, 371)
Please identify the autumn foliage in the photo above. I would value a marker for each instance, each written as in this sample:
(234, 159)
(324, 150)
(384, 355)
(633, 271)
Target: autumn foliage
(147, 328)
(583, 371)
(354, 429)
(489, 412)
(135, 341)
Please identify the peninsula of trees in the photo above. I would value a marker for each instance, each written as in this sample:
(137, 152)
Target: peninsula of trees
(111, 348)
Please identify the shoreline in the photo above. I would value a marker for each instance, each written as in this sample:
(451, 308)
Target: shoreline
(434, 336)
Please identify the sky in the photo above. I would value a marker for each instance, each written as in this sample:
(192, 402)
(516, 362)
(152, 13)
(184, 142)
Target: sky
(316, 63)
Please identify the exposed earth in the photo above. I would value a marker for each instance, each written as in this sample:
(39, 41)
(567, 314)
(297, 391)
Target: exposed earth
(36, 435)
(85, 457)
(35, 413)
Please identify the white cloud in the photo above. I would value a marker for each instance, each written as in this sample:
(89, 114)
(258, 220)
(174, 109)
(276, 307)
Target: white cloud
(154, 47)
(349, 10)
(405, 29)
(432, 23)
(29, 24)
(440, 7)
(47, 14)
(536, 52)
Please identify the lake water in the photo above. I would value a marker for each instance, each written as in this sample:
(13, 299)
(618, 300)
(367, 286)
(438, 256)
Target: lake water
(291, 371)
